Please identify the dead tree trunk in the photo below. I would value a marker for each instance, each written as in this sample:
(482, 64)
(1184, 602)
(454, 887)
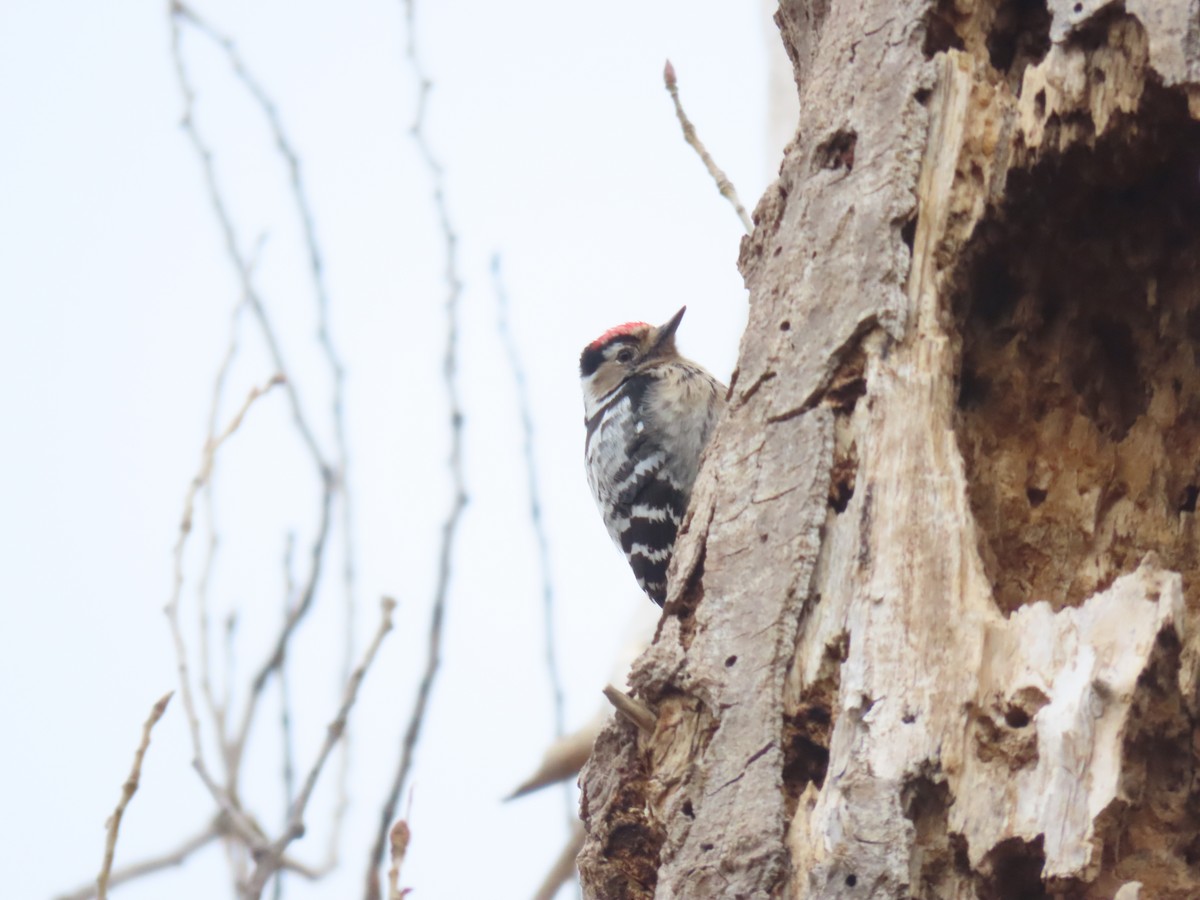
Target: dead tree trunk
(928, 631)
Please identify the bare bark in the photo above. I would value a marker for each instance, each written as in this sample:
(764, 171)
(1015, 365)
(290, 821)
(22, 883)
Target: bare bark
(927, 627)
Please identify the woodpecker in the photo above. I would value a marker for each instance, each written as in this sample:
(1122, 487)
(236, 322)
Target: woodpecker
(649, 414)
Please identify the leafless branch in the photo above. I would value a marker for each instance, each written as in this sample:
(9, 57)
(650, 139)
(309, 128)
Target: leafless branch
(337, 369)
(458, 500)
(128, 789)
(217, 711)
(333, 477)
(248, 841)
(241, 262)
(689, 134)
(285, 704)
(553, 675)
(269, 862)
(295, 615)
(207, 458)
(562, 761)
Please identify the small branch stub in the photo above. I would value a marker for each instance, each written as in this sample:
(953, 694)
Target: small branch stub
(632, 710)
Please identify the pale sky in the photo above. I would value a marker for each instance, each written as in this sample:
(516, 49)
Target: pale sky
(562, 154)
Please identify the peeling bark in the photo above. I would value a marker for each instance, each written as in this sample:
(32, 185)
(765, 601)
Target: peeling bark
(928, 626)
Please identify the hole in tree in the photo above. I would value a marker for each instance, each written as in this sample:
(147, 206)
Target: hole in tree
(1015, 717)
(941, 29)
(730, 661)
(1014, 871)
(972, 391)
(836, 151)
(1077, 301)
(1019, 37)
(851, 880)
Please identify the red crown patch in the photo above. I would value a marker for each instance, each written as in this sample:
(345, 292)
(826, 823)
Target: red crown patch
(627, 328)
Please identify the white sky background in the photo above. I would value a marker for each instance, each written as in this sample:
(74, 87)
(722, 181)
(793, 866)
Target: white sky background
(562, 154)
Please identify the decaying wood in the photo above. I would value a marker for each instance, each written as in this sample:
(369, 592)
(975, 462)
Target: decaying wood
(928, 628)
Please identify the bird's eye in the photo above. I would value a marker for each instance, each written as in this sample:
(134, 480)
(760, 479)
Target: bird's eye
(625, 356)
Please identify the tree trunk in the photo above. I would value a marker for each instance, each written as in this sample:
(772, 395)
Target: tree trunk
(928, 630)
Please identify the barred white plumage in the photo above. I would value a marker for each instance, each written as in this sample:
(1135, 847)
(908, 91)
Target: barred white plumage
(649, 414)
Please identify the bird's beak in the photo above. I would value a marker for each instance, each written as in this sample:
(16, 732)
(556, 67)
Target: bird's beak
(666, 331)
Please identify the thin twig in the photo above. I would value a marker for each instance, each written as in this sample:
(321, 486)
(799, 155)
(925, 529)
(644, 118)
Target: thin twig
(337, 371)
(217, 711)
(248, 839)
(553, 676)
(269, 862)
(285, 704)
(207, 458)
(689, 134)
(128, 789)
(181, 12)
(458, 500)
(332, 478)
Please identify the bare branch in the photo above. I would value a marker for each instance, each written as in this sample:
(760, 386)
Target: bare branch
(285, 701)
(248, 841)
(458, 500)
(333, 477)
(269, 862)
(535, 501)
(241, 262)
(337, 369)
(286, 736)
(128, 789)
(689, 134)
(204, 472)
(562, 761)
(553, 676)
(217, 711)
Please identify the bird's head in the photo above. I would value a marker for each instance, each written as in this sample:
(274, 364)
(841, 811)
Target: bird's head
(622, 352)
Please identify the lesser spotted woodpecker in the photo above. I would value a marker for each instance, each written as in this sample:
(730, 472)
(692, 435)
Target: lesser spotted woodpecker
(649, 413)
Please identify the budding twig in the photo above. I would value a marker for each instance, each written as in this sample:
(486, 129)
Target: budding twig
(689, 134)
(399, 838)
(127, 791)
